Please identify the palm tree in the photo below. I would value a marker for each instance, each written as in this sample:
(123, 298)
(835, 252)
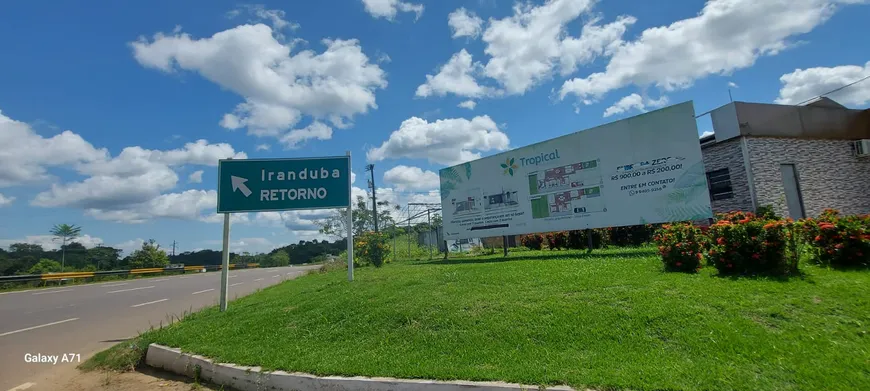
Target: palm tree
(66, 233)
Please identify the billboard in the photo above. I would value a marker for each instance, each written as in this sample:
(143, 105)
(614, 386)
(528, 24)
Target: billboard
(643, 169)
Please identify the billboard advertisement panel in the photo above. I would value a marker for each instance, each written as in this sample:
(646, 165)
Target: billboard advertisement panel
(643, 169)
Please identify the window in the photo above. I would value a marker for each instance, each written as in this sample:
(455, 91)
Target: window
(719, 182)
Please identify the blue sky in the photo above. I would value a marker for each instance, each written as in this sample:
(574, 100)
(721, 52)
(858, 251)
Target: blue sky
(103, 106)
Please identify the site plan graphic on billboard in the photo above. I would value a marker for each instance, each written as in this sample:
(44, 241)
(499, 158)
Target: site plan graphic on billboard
(643, 169)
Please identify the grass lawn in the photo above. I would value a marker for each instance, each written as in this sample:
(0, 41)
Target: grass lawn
(610, 320)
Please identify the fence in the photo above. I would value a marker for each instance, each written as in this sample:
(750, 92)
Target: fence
(72, 275)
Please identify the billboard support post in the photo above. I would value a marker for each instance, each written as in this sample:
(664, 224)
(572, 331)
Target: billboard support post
(504, 240)
(589, 240)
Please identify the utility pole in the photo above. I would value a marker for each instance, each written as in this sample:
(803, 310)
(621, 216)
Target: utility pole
(371, 168)
(429, 210)
(173, 248)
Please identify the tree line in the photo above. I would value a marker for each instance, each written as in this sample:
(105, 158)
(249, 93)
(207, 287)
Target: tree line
(28, 258)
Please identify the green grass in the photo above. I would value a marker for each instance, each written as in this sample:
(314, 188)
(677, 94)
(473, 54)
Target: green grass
(610, 320)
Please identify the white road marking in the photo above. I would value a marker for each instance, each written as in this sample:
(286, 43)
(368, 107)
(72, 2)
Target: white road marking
(233, 276)
(45, 293)
(109, 286)
(238, 283)
(22, 387)
(276, 276)
(150, 302)
(184, 277)
(165, 279)
(259, 279)
(202, 291)
(132, 289)
(37, 327)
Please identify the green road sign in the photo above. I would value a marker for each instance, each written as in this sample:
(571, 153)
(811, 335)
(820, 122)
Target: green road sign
(256, 185)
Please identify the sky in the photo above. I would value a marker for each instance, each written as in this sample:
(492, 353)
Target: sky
(113, 116)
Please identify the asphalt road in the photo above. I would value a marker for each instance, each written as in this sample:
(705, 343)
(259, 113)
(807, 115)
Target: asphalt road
(83, 319)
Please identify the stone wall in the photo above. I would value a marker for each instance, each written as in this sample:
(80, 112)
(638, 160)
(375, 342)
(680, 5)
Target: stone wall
(829, 174)
(728, 154)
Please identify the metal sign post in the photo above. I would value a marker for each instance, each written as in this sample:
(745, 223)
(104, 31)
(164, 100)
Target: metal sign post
(349, 224)
(259, 185)
(225, 263)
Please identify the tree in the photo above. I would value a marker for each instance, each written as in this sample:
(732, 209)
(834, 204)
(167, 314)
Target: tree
(45, 266)
(104, 258)
(65, 233)
(279, 258)
(363, 220)
(150, 255)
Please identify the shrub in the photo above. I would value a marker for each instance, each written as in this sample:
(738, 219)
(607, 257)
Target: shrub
(743, 243)
(579, 239)
(837, 241)
(766, 212)
(681, 246)
(557, 240)
(532, 241)
(633, 235)
(372, 247)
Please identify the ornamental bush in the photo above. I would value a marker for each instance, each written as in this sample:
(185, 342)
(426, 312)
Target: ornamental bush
(742, 243)
(681, 246)
(372, 247)
(837, 241)
(632, 235)
(532, 241)
(557, 240)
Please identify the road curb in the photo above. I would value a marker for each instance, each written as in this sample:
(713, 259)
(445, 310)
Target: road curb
(254, 379)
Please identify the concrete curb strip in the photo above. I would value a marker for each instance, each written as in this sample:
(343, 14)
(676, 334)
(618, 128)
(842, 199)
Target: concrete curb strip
(253, 379)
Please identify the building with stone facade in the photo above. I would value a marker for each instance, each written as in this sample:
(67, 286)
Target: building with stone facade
(797, 159)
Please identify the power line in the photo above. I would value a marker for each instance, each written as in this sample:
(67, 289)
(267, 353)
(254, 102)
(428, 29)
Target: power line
(835, 90)
(805, 101)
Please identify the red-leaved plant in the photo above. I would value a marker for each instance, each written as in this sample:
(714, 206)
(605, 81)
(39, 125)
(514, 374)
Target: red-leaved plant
(838, 241)
(681, 246)
(742, 243)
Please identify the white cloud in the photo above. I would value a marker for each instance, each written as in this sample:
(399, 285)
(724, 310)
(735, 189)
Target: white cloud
(706, 133)
(464, 23)
(6, 200)
(263, 147)
(411, 178)
(187, 205)
(388, 9)
(725, 36)
(195, 177)
(49, 242)
(279, 86)
(137, 160)
(634, 102)
(733, 84)
(109, 191)
(128, 188)
(259, 12)
(314, 131)
(25, 155)
(131, 245)
(468, 104)
(455, 77)
(803, 84)
(525, 47)
(446, 141)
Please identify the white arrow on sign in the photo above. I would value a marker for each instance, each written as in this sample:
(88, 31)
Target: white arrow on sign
(239, 184)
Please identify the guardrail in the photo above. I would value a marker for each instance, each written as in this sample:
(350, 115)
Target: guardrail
(70, 275)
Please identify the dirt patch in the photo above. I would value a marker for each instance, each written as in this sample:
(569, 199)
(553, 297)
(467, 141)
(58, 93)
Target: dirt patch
(145, 379)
